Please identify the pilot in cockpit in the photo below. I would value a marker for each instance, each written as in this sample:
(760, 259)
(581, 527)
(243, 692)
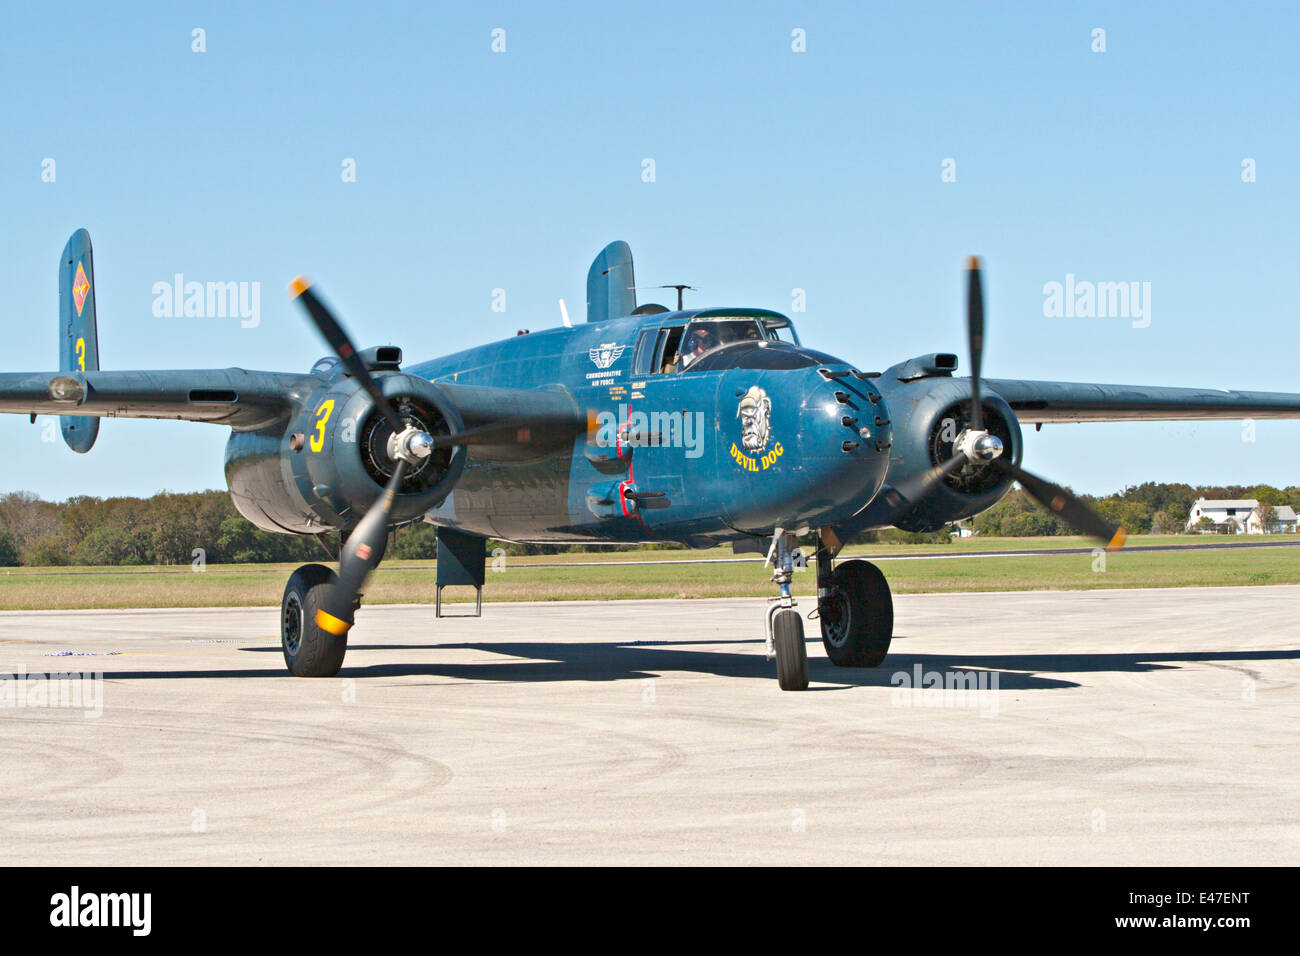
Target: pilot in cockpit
(699, 341)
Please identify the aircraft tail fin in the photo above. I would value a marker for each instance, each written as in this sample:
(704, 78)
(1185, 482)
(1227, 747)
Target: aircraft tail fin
(609, 284)
(78, 336)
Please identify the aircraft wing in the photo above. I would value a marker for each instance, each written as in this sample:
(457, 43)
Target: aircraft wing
(248, 400)
(241, 399)
(1054, 402)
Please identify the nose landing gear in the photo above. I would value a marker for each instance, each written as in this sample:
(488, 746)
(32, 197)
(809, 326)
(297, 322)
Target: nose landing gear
(785, 640)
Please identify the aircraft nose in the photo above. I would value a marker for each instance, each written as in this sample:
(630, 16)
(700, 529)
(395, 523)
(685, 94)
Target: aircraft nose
(811, 445)
(862, 411)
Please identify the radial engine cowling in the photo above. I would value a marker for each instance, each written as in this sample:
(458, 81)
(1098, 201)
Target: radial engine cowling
(330, 463)
(928, 416)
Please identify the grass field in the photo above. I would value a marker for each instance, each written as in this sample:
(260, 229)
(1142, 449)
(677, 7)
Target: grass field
(623, 575)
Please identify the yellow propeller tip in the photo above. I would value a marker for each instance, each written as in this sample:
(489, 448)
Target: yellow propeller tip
(298, 286)
(330, 623)
(972, 262)
(1117, 542)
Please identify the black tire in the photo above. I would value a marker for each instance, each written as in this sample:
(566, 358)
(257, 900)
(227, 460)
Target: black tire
(857, 617)
(791, 653)
(309, 651)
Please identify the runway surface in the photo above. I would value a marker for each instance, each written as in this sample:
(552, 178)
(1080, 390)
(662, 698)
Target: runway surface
(1127, 727)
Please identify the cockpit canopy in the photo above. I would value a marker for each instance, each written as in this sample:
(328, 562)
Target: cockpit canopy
(679, 347)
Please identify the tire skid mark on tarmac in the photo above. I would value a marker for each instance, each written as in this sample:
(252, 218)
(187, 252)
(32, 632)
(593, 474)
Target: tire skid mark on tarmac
(74, 766)
(587, 753)
(368, 763)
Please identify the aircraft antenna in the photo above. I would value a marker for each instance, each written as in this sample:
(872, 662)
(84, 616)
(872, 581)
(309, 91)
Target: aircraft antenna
(680, 289)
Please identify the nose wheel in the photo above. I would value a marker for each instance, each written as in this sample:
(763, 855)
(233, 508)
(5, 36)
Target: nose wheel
(785, 640)
(791, 651)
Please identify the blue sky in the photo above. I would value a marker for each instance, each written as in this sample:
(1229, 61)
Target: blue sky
(774, 170)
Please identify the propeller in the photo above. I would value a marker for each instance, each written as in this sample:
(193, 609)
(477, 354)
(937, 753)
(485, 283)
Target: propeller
(976, 446)
(364, 548)
(407, 446)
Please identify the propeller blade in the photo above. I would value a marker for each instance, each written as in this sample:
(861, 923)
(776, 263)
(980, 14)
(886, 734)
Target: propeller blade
(1065, 505)
(918, 486)
(332, 332)
(975, 330)
(513, 431)
(361, 555)
(907, 493)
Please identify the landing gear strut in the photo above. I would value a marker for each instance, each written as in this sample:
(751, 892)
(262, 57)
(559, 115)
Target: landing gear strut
(785, 640)
(856, 611)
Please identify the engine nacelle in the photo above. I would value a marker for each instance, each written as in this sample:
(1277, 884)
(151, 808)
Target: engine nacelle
(329, 463)
(928, 415)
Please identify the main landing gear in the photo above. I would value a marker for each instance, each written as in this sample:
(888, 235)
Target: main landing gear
(855, 609)
(854, 606)
(309, 649)
(314, 638)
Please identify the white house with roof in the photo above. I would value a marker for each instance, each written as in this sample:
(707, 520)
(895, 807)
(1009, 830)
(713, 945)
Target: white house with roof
(1283, 521)
(1228, 514)
(1240, 516)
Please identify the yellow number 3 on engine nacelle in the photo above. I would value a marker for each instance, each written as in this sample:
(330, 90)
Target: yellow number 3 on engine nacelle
(322, 417)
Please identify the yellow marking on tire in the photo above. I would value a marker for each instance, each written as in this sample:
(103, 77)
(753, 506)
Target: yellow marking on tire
(328, 622)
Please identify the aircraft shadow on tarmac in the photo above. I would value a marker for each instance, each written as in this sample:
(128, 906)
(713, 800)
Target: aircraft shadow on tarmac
(639, 660)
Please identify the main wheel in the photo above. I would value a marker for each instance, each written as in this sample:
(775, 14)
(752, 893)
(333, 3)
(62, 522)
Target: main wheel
(309, 651)
(857, 616)
(791, 652)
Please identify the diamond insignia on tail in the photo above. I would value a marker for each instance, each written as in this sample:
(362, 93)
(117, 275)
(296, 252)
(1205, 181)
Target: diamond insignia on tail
(80, 289)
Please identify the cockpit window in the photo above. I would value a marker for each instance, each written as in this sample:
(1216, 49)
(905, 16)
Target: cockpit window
(702, 336)
(782, 331)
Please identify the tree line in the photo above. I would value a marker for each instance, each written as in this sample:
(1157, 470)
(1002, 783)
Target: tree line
(1148, 508)
(176, 528)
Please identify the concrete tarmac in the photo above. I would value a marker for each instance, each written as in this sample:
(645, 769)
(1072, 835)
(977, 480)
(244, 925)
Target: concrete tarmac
(1115, 727)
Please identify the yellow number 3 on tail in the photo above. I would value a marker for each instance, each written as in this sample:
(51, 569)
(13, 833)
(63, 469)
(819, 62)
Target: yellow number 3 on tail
(81, 354)
(322, 416)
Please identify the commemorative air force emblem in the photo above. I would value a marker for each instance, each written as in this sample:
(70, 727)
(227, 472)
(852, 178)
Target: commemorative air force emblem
(606, 355)
(80, 289)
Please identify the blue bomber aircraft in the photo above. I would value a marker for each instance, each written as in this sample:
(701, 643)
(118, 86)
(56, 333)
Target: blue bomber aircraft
(644, 424)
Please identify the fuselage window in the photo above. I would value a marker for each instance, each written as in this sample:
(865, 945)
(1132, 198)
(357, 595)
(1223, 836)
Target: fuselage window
(669, 339)
(643, 362)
